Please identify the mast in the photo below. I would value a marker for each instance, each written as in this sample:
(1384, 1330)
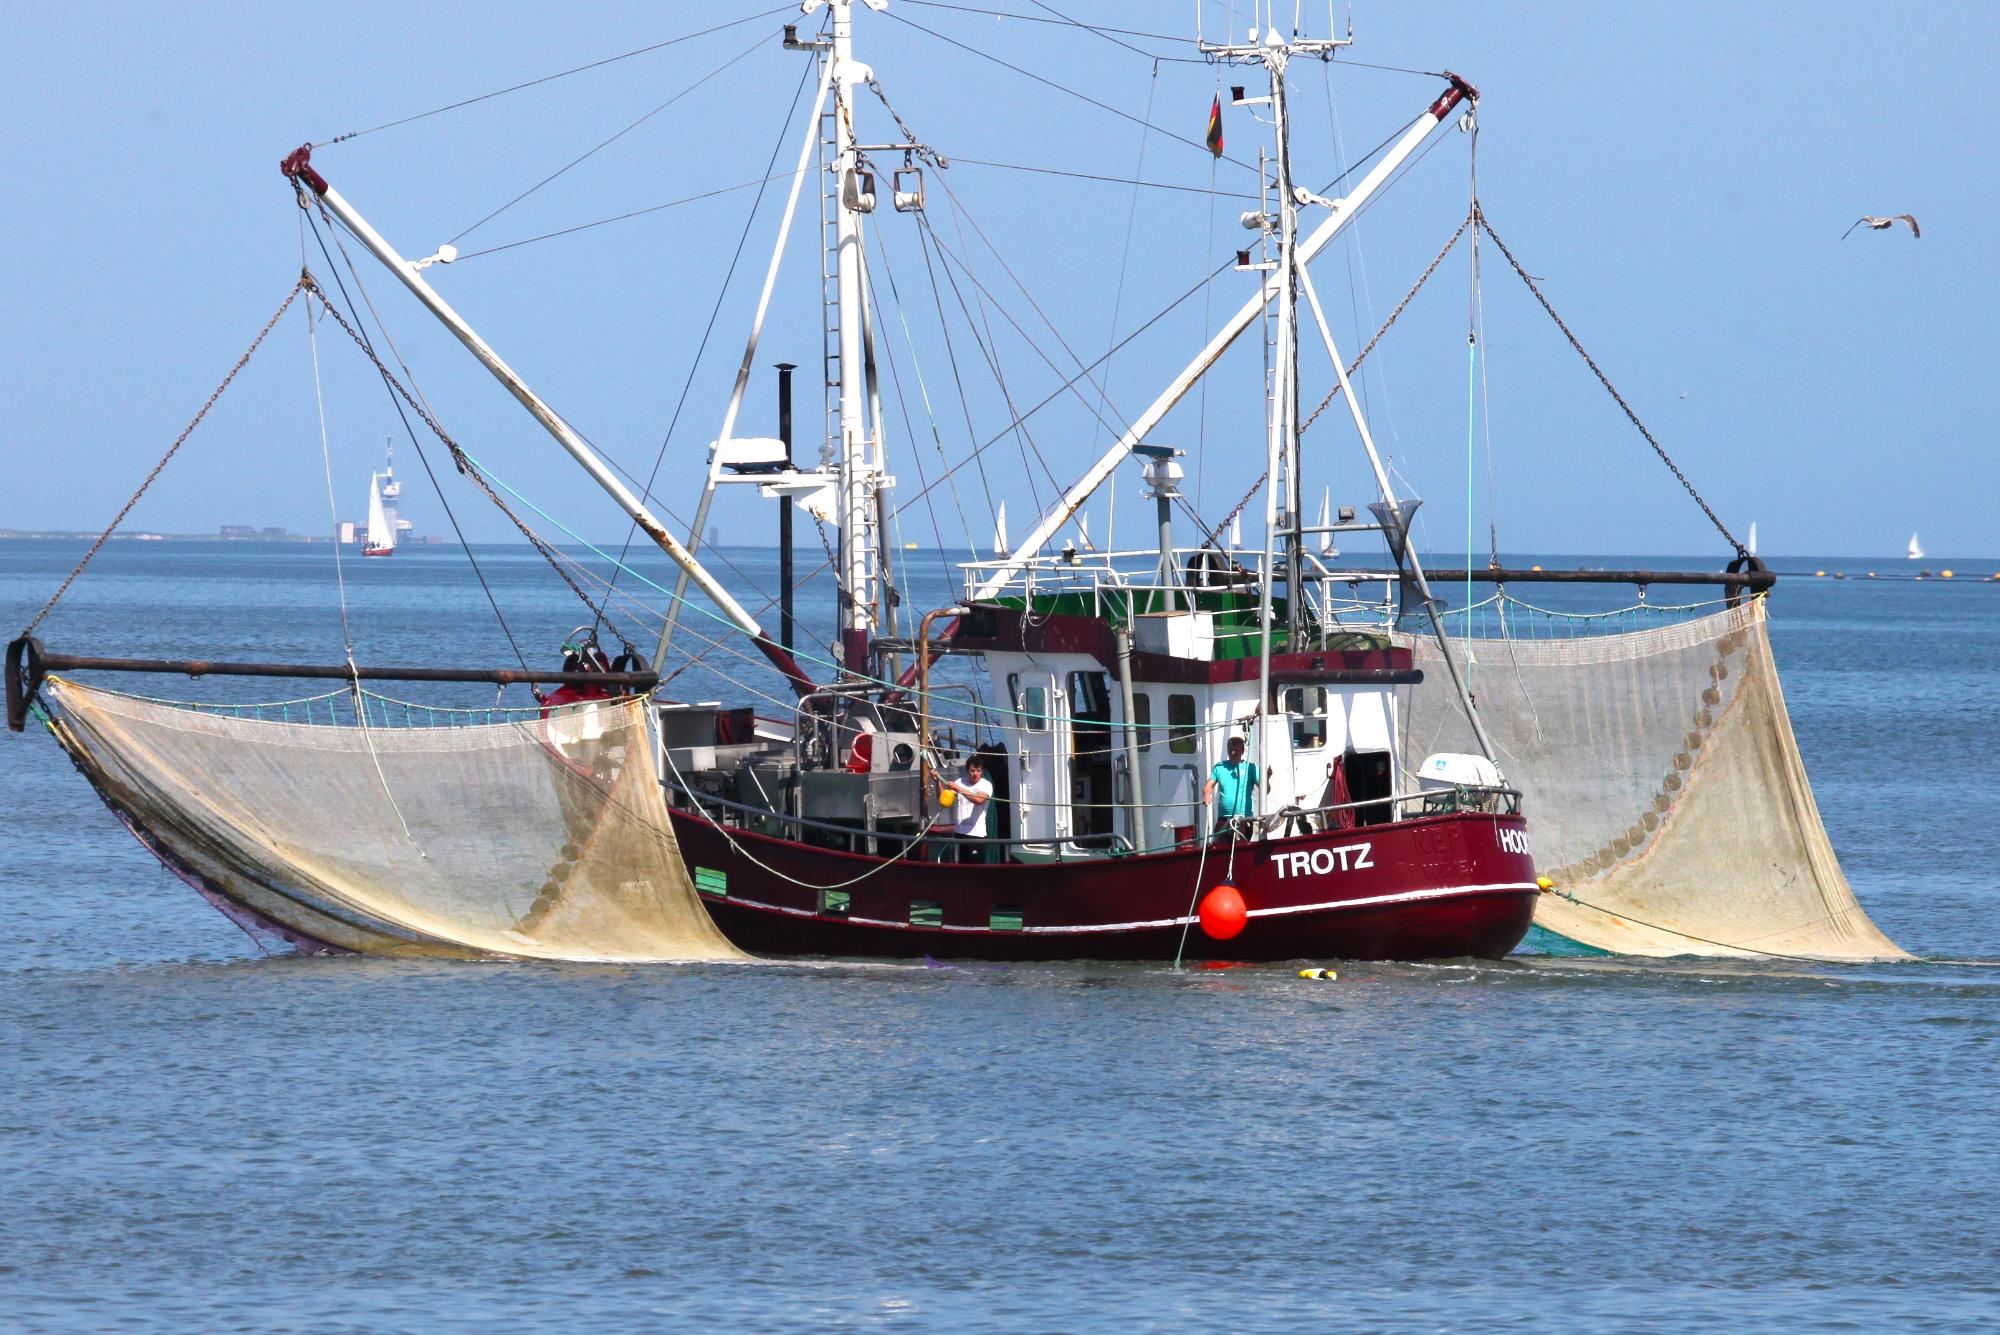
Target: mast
(853, 450)
(1283, 503)
(1341, 212)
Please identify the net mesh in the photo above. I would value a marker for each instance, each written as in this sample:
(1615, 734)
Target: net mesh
(539, 838)
(1665, 793)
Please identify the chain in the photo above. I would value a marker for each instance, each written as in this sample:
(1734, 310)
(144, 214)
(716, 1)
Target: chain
(1394, 316)
(1352, 367)
(1605, 380)
(463, 463)
(304, 282)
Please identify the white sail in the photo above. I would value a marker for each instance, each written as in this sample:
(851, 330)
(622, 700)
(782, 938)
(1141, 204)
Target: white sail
(1916, 551)
(1236, 531)
(1000, 530)
(1752, 547)
(381, 533)
(1326, 547)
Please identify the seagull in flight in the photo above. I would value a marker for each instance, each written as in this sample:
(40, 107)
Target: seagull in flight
(1874, 223)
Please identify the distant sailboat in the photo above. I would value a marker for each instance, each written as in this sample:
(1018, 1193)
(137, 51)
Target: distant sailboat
(1753, 538)
(1916, 552)
(1236, 531)
(1326, 546)
(381, 532)
(1000, 547)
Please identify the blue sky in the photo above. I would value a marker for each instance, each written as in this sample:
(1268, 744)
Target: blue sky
(1680, 176)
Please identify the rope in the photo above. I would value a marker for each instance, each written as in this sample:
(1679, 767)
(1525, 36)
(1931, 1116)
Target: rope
(1187, 921)
(605, 143)
(1611, 389)
(104, 537)
(551, 78)
(1352, 367)
(416, 443)
(463, 460)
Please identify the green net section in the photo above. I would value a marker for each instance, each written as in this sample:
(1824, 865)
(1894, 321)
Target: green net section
(540, 838)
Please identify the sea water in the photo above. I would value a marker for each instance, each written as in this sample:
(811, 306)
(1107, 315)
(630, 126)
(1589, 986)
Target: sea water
(197, 1136)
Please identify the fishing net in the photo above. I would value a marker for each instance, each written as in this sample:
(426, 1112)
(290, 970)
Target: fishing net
(543, 838)
(1665, 794)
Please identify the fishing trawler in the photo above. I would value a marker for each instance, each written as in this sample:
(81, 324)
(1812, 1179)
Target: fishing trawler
(1105, 693)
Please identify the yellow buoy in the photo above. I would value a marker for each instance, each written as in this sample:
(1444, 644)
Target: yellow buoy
(1319, 975)
(1538, 568)
(1545, 883)
(1944, 574)
(946, 796)
(1819, 574)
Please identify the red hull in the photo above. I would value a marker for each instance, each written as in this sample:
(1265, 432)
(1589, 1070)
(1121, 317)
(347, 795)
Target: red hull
(1437, 887)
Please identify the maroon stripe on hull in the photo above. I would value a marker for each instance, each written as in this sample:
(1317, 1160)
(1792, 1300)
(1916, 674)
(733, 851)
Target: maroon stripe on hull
(1433, 888)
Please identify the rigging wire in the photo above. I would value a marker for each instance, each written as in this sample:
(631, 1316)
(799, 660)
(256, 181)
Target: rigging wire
(551, 78)
(437, 487)
(1062, 20)
(339, 570)
(715, 312)
(622, 217)
(1612, 390)
(957, 161)
(951, 350)
(1061, 88)
(930, 414)
(1118, 294)
(609, 460)
(602, 144)
(301, 285)
(1068, 385)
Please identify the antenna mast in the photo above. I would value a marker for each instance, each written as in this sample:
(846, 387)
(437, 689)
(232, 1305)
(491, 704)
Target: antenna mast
(1284, 503)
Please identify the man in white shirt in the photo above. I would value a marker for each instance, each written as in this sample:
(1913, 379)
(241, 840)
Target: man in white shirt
(969, 821)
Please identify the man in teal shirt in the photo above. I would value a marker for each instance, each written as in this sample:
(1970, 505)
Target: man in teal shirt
(1235, 780)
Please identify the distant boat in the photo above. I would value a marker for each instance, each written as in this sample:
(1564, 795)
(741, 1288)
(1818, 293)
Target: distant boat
(385, 525)
(1916, 551)
(381, 539)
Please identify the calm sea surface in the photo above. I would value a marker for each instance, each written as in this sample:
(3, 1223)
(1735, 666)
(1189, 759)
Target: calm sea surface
(196, 1137)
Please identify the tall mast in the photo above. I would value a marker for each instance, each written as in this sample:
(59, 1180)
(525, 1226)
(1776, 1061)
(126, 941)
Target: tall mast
(1282, 495)
(854, 450)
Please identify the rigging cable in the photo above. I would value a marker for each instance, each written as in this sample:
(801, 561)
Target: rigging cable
(437, 487)
(1118, 294)
(551, 78)
(180, 440)
(339, 571)
(602, 144)
(714, 313)
(1605, 380)
(1050, 83)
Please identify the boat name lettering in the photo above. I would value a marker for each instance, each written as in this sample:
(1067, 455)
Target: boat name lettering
(1322, 861)
(1513, 841)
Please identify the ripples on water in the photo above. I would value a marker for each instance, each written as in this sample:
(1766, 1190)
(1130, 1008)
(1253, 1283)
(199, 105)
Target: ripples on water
(195, 1137)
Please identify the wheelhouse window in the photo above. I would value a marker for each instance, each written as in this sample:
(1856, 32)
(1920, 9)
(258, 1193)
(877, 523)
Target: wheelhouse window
(1035, 709)
(1180, 724)
(1142, 720)
(1306, 706)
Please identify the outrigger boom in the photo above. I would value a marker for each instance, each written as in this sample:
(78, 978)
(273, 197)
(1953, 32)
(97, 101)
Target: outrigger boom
(298, 168)
(1343, 211)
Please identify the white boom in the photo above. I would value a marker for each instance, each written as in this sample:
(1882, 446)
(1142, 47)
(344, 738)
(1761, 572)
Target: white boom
(299, 168)
(1343, 211)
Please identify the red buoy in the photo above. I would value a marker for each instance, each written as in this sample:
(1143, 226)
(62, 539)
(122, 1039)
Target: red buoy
(1223, 914)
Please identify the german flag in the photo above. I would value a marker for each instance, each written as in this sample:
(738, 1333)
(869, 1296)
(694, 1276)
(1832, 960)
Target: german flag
(1215, 126)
